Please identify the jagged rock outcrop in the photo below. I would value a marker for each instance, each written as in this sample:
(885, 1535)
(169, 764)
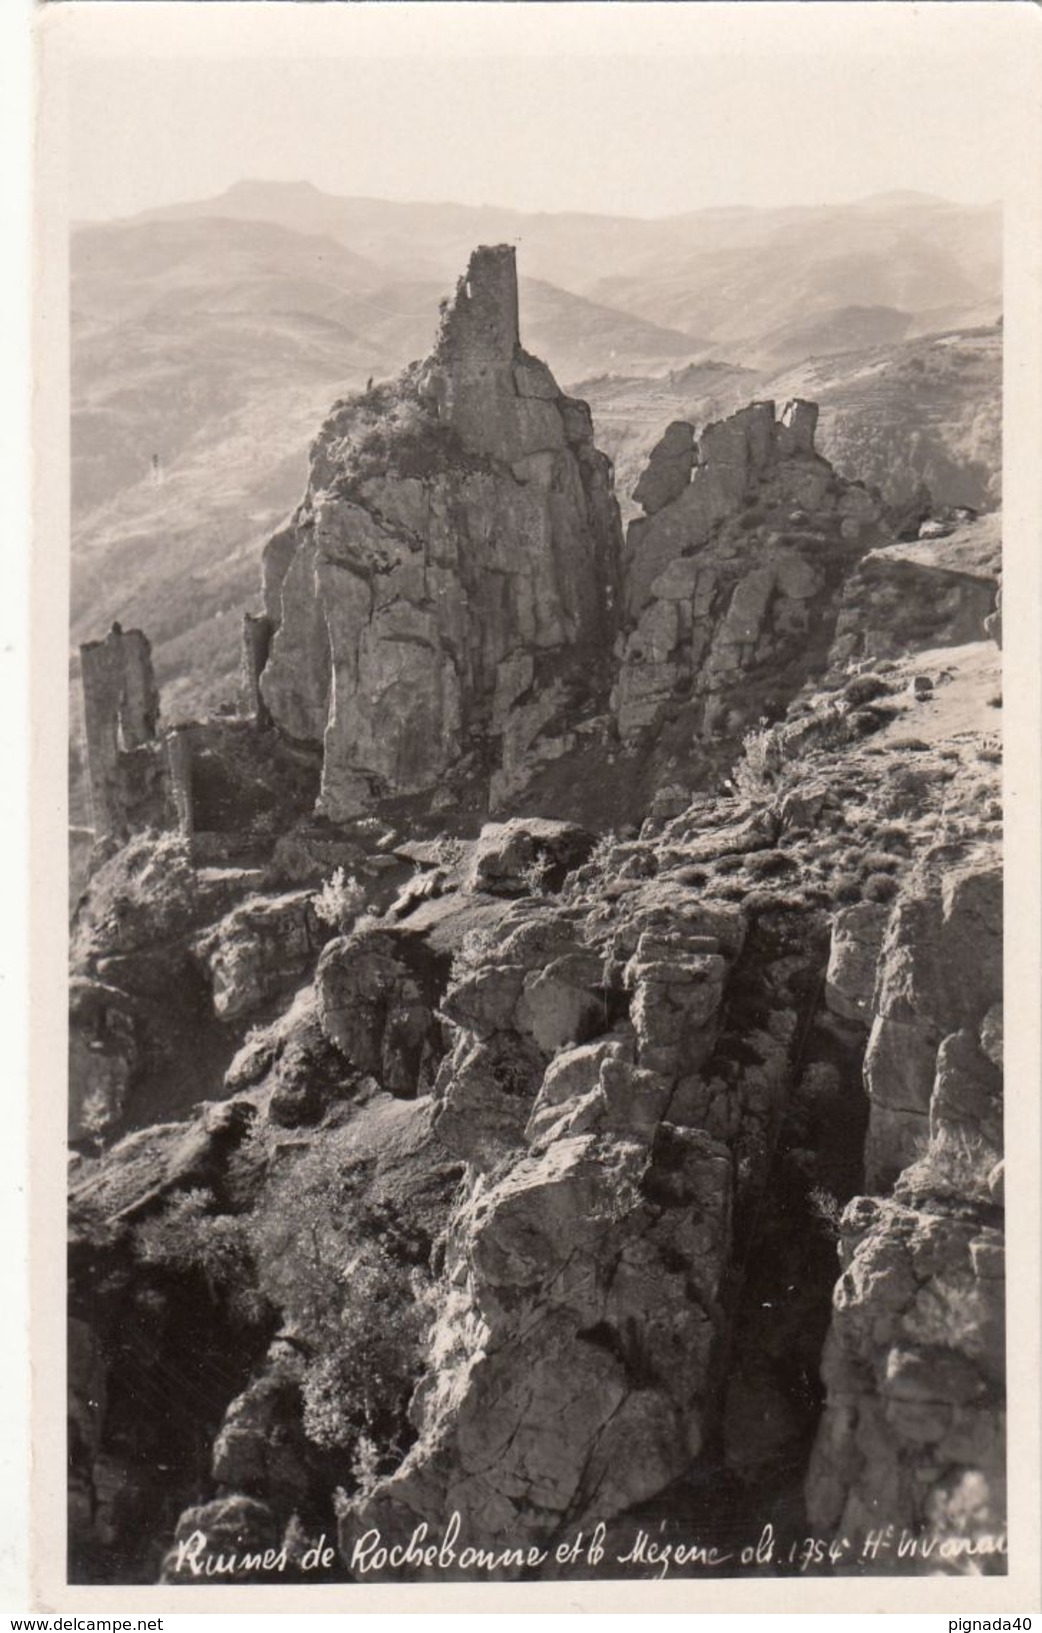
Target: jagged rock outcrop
(892, 605)
(914, 1429)
(857, 939)
(939, 979)
(914, 1425)
(510, 856)
(733, 576)
(612, 1125)
(375, 1010)
(446, 586)
(669, 468)
(637, 1073)
(260, 949)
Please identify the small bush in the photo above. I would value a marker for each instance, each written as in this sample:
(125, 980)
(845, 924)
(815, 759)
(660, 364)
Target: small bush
(826, 1209)
(846, 888)
(865, 689)
(537, 874)
(893, 836)
(955, 1165)
(340, 901)
(691, 876)
(731, 893)
(728, 864)
(478, 947)
(815, 896)
(872, 718)
(770, 864)
(188, 1236)
(349, 1277)
(765, 766)
(879, 887)
(351, 1283)
(774, 901)
(879, 862)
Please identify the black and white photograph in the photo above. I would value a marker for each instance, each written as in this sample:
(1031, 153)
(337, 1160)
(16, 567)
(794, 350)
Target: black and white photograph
(536, 808)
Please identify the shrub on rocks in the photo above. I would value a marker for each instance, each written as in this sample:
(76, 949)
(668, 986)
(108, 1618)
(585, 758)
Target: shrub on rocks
(879, 887)
(865, 689)
(846, 887)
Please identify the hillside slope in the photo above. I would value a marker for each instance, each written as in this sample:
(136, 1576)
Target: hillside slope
(927, 409)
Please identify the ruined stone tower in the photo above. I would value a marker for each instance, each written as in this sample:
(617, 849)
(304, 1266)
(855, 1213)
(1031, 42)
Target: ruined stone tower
(120, 712)
(448, 582)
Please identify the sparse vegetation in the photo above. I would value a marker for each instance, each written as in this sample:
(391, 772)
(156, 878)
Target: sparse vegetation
(770, 864)
(477, 947)
(826, 1209)
(879, 862)
(188, 1235)
(872, 717)
(893, 836)
(536, 876)
(732, 863)
(340, 901)
(879, 887)
(865, 689)
(347, 1276)
(954, 1165)
(765, 766)
(846, 888)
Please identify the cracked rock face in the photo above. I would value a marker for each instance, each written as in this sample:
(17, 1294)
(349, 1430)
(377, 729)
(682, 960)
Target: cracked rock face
(732, 573)
(593, 1089)
(447, 581)
(940, 975)
(914, 1426)
(914, 1430)
(258, 950)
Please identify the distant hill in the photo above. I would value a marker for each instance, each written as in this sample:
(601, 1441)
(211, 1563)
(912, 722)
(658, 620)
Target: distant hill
(822, 334)
(743, 276)
(928, 409)
(727, 274)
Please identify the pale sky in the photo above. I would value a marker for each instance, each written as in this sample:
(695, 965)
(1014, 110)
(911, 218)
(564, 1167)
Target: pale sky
(631, 109)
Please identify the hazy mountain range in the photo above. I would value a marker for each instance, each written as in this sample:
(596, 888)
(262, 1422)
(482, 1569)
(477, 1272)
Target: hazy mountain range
(210, 338)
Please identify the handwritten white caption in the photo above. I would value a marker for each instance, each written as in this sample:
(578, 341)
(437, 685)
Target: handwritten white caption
(425, 1552)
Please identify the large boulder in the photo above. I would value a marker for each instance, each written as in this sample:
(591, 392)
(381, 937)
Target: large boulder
(104, 1058)
(526, 855)
(857, 939)
(580, 1348)
(940, 974)
(669, 468)
(374, 1009)
(913, 1431)
(260, 949)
